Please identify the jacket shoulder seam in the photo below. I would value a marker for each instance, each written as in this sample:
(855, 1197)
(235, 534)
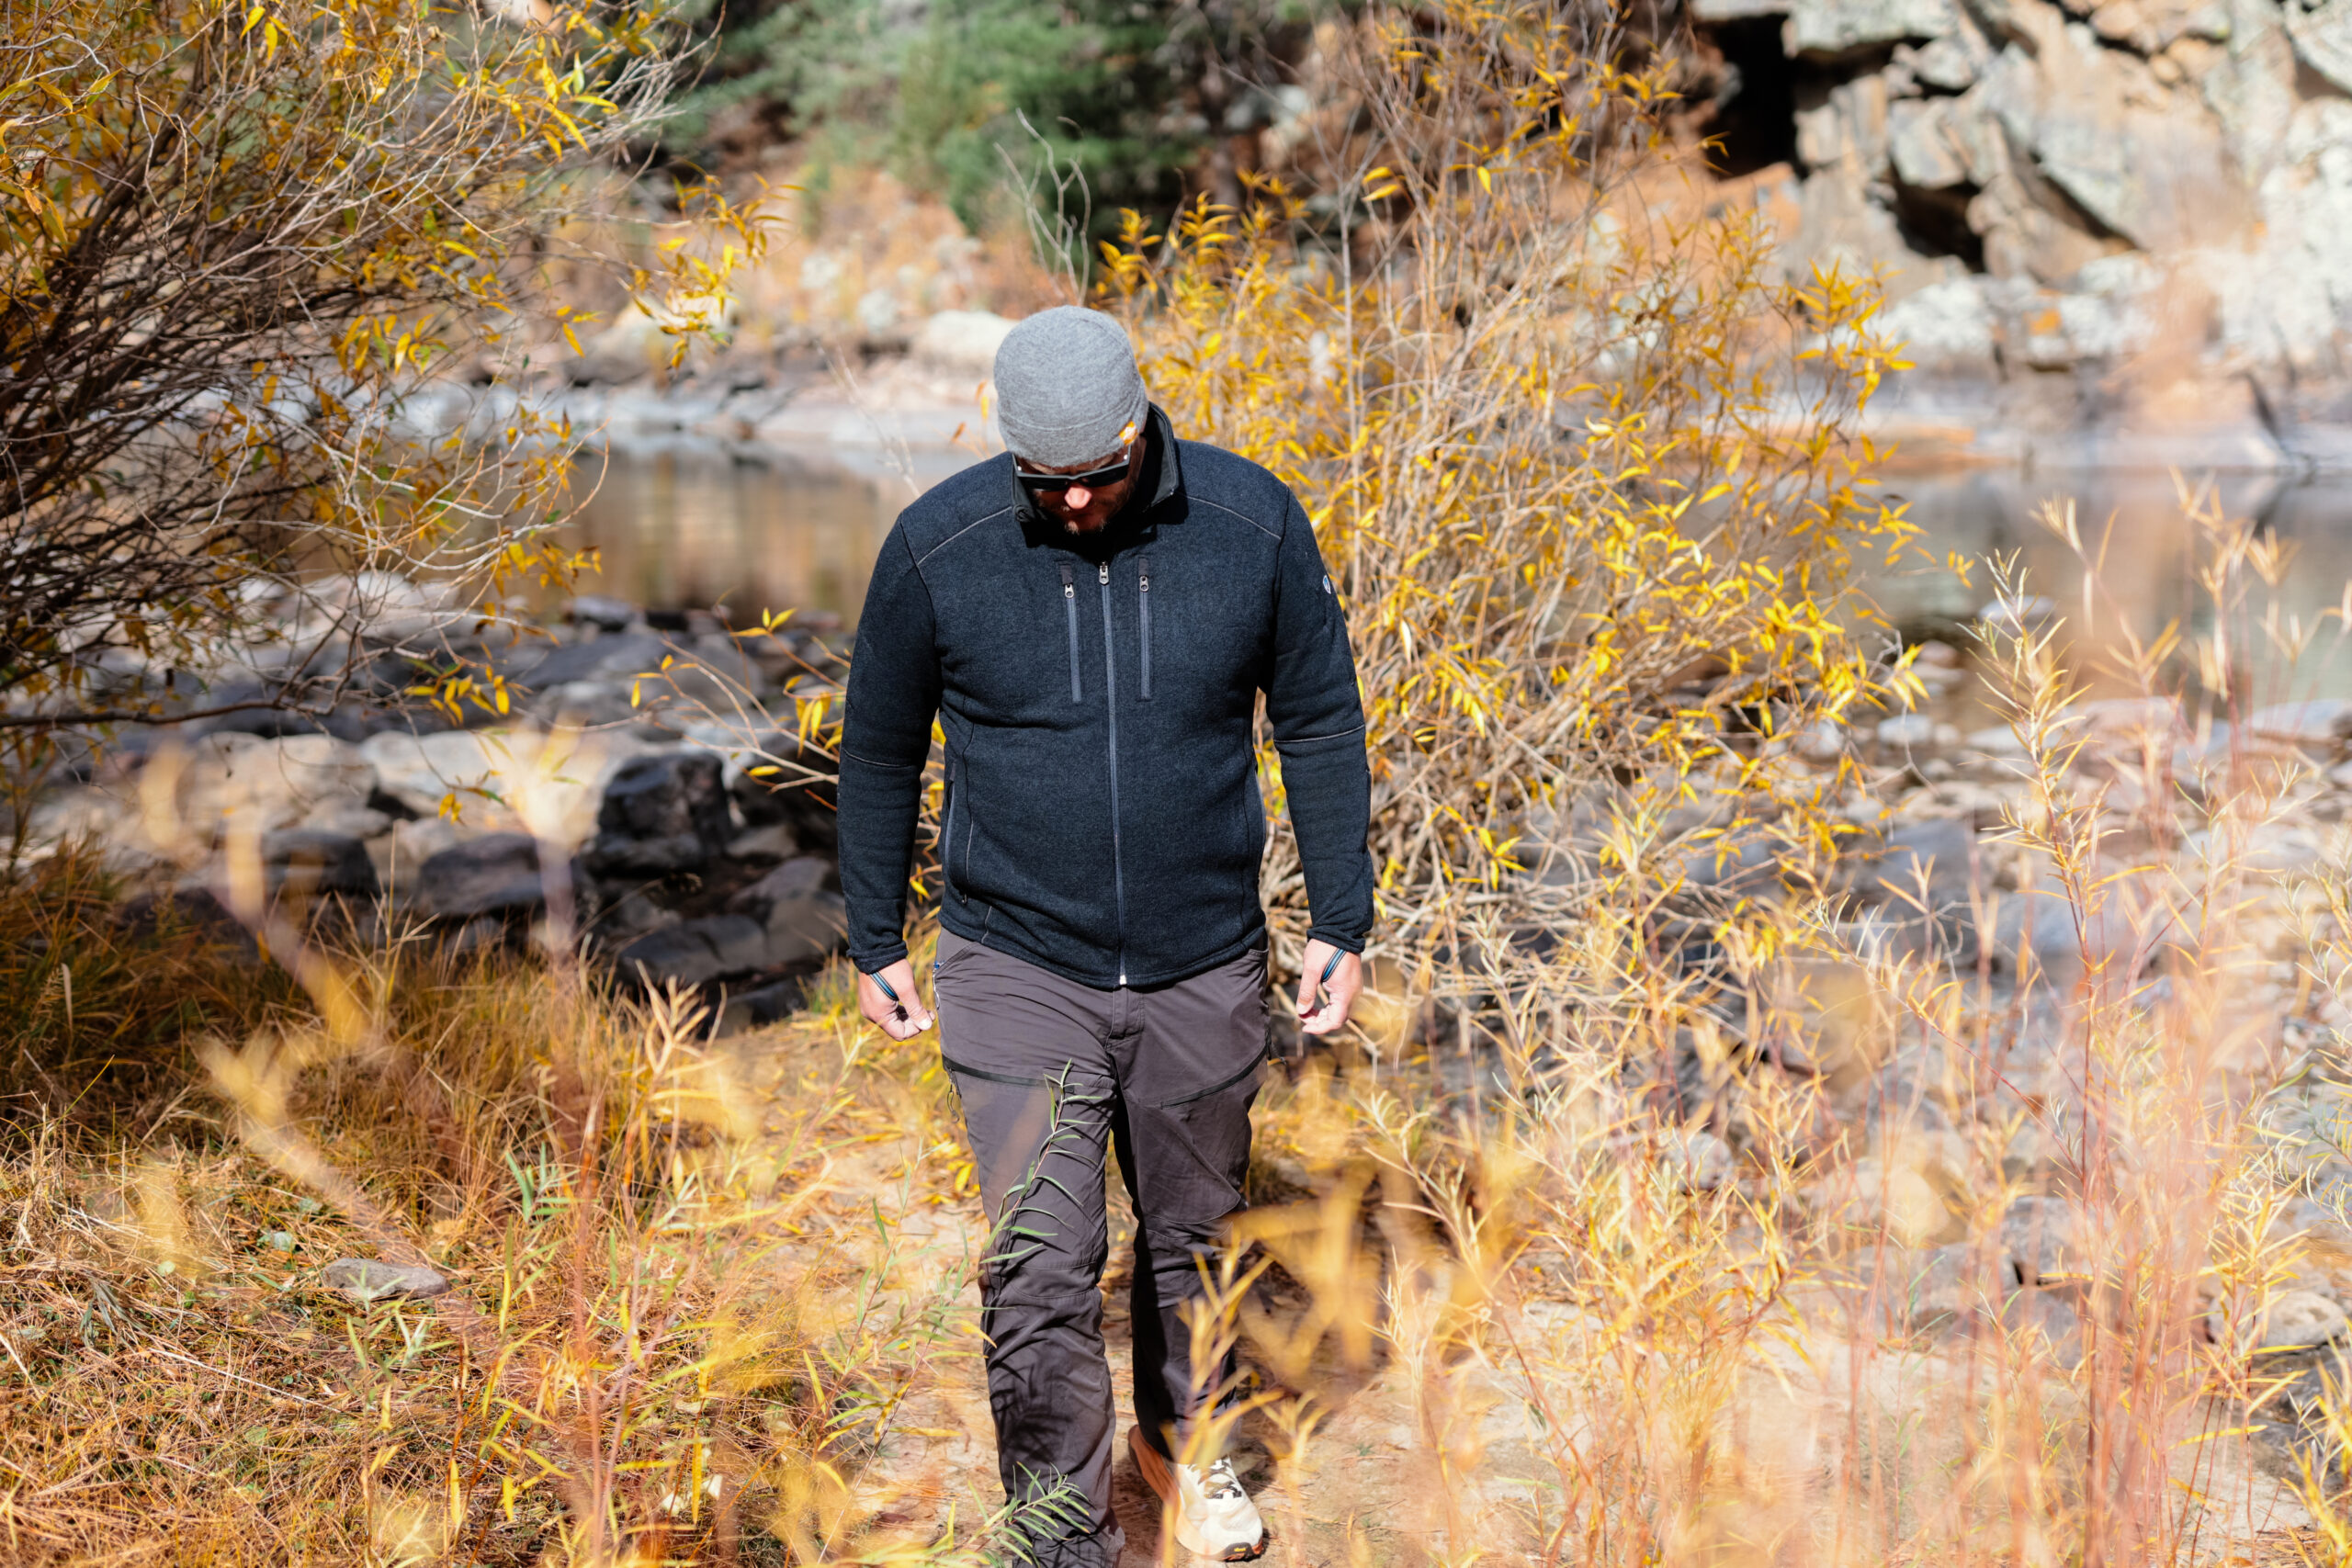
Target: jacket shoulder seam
(1221, 506)
(958, 534)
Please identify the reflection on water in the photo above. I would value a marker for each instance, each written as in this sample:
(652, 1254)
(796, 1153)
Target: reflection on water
(2150, 552)
(680, 529)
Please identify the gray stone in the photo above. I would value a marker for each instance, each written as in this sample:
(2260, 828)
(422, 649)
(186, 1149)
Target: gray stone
(614, 657)
(1935, 852)
(2044, 1235)
(2322, 34)
(1954, 1282)
(495, 872)
(804, 922)
(2292, 1320)
(663, 812)
(1925, 153)
(1905, 730)
(1698, 1160)
(2319, 721)
(371, 1279)
(695, 952)
(758, 1008)
(1838, 27)
(309, 863)
(606, 614)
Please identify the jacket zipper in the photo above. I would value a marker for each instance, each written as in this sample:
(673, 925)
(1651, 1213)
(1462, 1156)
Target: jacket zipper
(1111, 704)
(1069, 604)
(1143, 603)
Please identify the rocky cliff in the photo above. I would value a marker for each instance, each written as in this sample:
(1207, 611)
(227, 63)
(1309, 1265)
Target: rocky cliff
(2133, 208)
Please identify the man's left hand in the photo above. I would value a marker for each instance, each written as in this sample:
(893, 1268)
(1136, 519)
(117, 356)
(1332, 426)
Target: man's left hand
(1323, 1004)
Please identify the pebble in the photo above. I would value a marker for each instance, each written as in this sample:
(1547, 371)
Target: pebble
(2297, 1320)
(372, 1280)
(1907, 729)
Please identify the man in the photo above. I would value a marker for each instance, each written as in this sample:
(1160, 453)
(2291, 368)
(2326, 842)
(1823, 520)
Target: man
(1091, 617)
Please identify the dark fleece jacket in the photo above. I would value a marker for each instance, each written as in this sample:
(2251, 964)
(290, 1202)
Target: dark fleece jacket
(1096, 694)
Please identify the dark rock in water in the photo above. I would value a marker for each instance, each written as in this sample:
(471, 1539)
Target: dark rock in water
(663, 812)
(371, 1279)
(487, 875)
(695, 952)
(756, 1009)
(309, 863)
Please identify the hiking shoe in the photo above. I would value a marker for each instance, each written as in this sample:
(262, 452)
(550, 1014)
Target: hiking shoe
(1204, 1503)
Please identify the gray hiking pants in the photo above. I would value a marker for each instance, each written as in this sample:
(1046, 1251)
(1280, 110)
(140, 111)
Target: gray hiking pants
(1052, 1074)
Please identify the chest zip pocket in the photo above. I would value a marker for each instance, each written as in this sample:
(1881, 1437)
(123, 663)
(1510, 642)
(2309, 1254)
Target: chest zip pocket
(1069, 608)
(1143, 599)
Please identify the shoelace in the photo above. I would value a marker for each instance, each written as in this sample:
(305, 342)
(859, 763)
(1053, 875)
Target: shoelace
(1219, 1484)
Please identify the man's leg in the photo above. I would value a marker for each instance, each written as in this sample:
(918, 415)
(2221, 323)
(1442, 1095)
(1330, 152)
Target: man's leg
(1189, 1074)
(1025, 1049)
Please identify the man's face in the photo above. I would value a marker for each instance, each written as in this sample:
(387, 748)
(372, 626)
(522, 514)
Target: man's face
(1083, 508)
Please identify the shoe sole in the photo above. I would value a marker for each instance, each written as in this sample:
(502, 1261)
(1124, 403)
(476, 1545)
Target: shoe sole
(1162, 1482)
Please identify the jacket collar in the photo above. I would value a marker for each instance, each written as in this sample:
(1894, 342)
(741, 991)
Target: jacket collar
(1162, 467)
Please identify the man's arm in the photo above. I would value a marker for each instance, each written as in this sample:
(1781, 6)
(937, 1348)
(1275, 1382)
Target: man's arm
(1317, 720)
(885, 735)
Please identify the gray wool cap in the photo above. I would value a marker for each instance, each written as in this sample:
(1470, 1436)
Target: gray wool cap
(1067, 385)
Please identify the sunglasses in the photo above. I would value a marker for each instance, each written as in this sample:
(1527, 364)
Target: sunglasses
(1093, 479)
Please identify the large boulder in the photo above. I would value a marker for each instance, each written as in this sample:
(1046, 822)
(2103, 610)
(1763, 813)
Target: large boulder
(497, 873)
(550, 782)
(309, 863)
(662, 813)
(250, 784)
(695, 952)
(1840, 27)
(804, 920)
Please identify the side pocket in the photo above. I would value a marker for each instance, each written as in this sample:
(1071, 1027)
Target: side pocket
(947, 840)
(1143, 599)
(1069, 606)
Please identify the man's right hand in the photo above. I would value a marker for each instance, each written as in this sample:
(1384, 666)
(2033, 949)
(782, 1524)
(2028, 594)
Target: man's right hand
(901, 1020)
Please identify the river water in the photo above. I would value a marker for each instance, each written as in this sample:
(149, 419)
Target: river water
(692, 528)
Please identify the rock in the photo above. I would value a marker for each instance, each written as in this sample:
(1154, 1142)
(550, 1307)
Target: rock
(351, 819)
(1905, 730)
(369, 1279)
(503, 780)
(1873, 1197)
(1823, 741)
(757, 1008)
(2322, 34)
(193, 914)
(695, 952)
(1945, 326)
(1696, 1158)
(1838, 27)
(1933, 854)
(2292, 1320)
(2044, 1235)
(491, 874)
(2012, 617)
(803, 920)
(961, 343)
(618, 656)
(243, 782)
(1844, 1024)
(662, 813)
(2319, 721)
(604, 614)
(310, 864)
(769, 842)
(1961, 1279)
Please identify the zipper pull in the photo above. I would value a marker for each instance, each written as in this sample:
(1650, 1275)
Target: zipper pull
(1069, 589)
(1143, 576)
(1103, 574)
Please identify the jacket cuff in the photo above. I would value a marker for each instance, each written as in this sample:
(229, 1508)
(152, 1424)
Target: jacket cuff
(873, 961)
(1344, 942)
